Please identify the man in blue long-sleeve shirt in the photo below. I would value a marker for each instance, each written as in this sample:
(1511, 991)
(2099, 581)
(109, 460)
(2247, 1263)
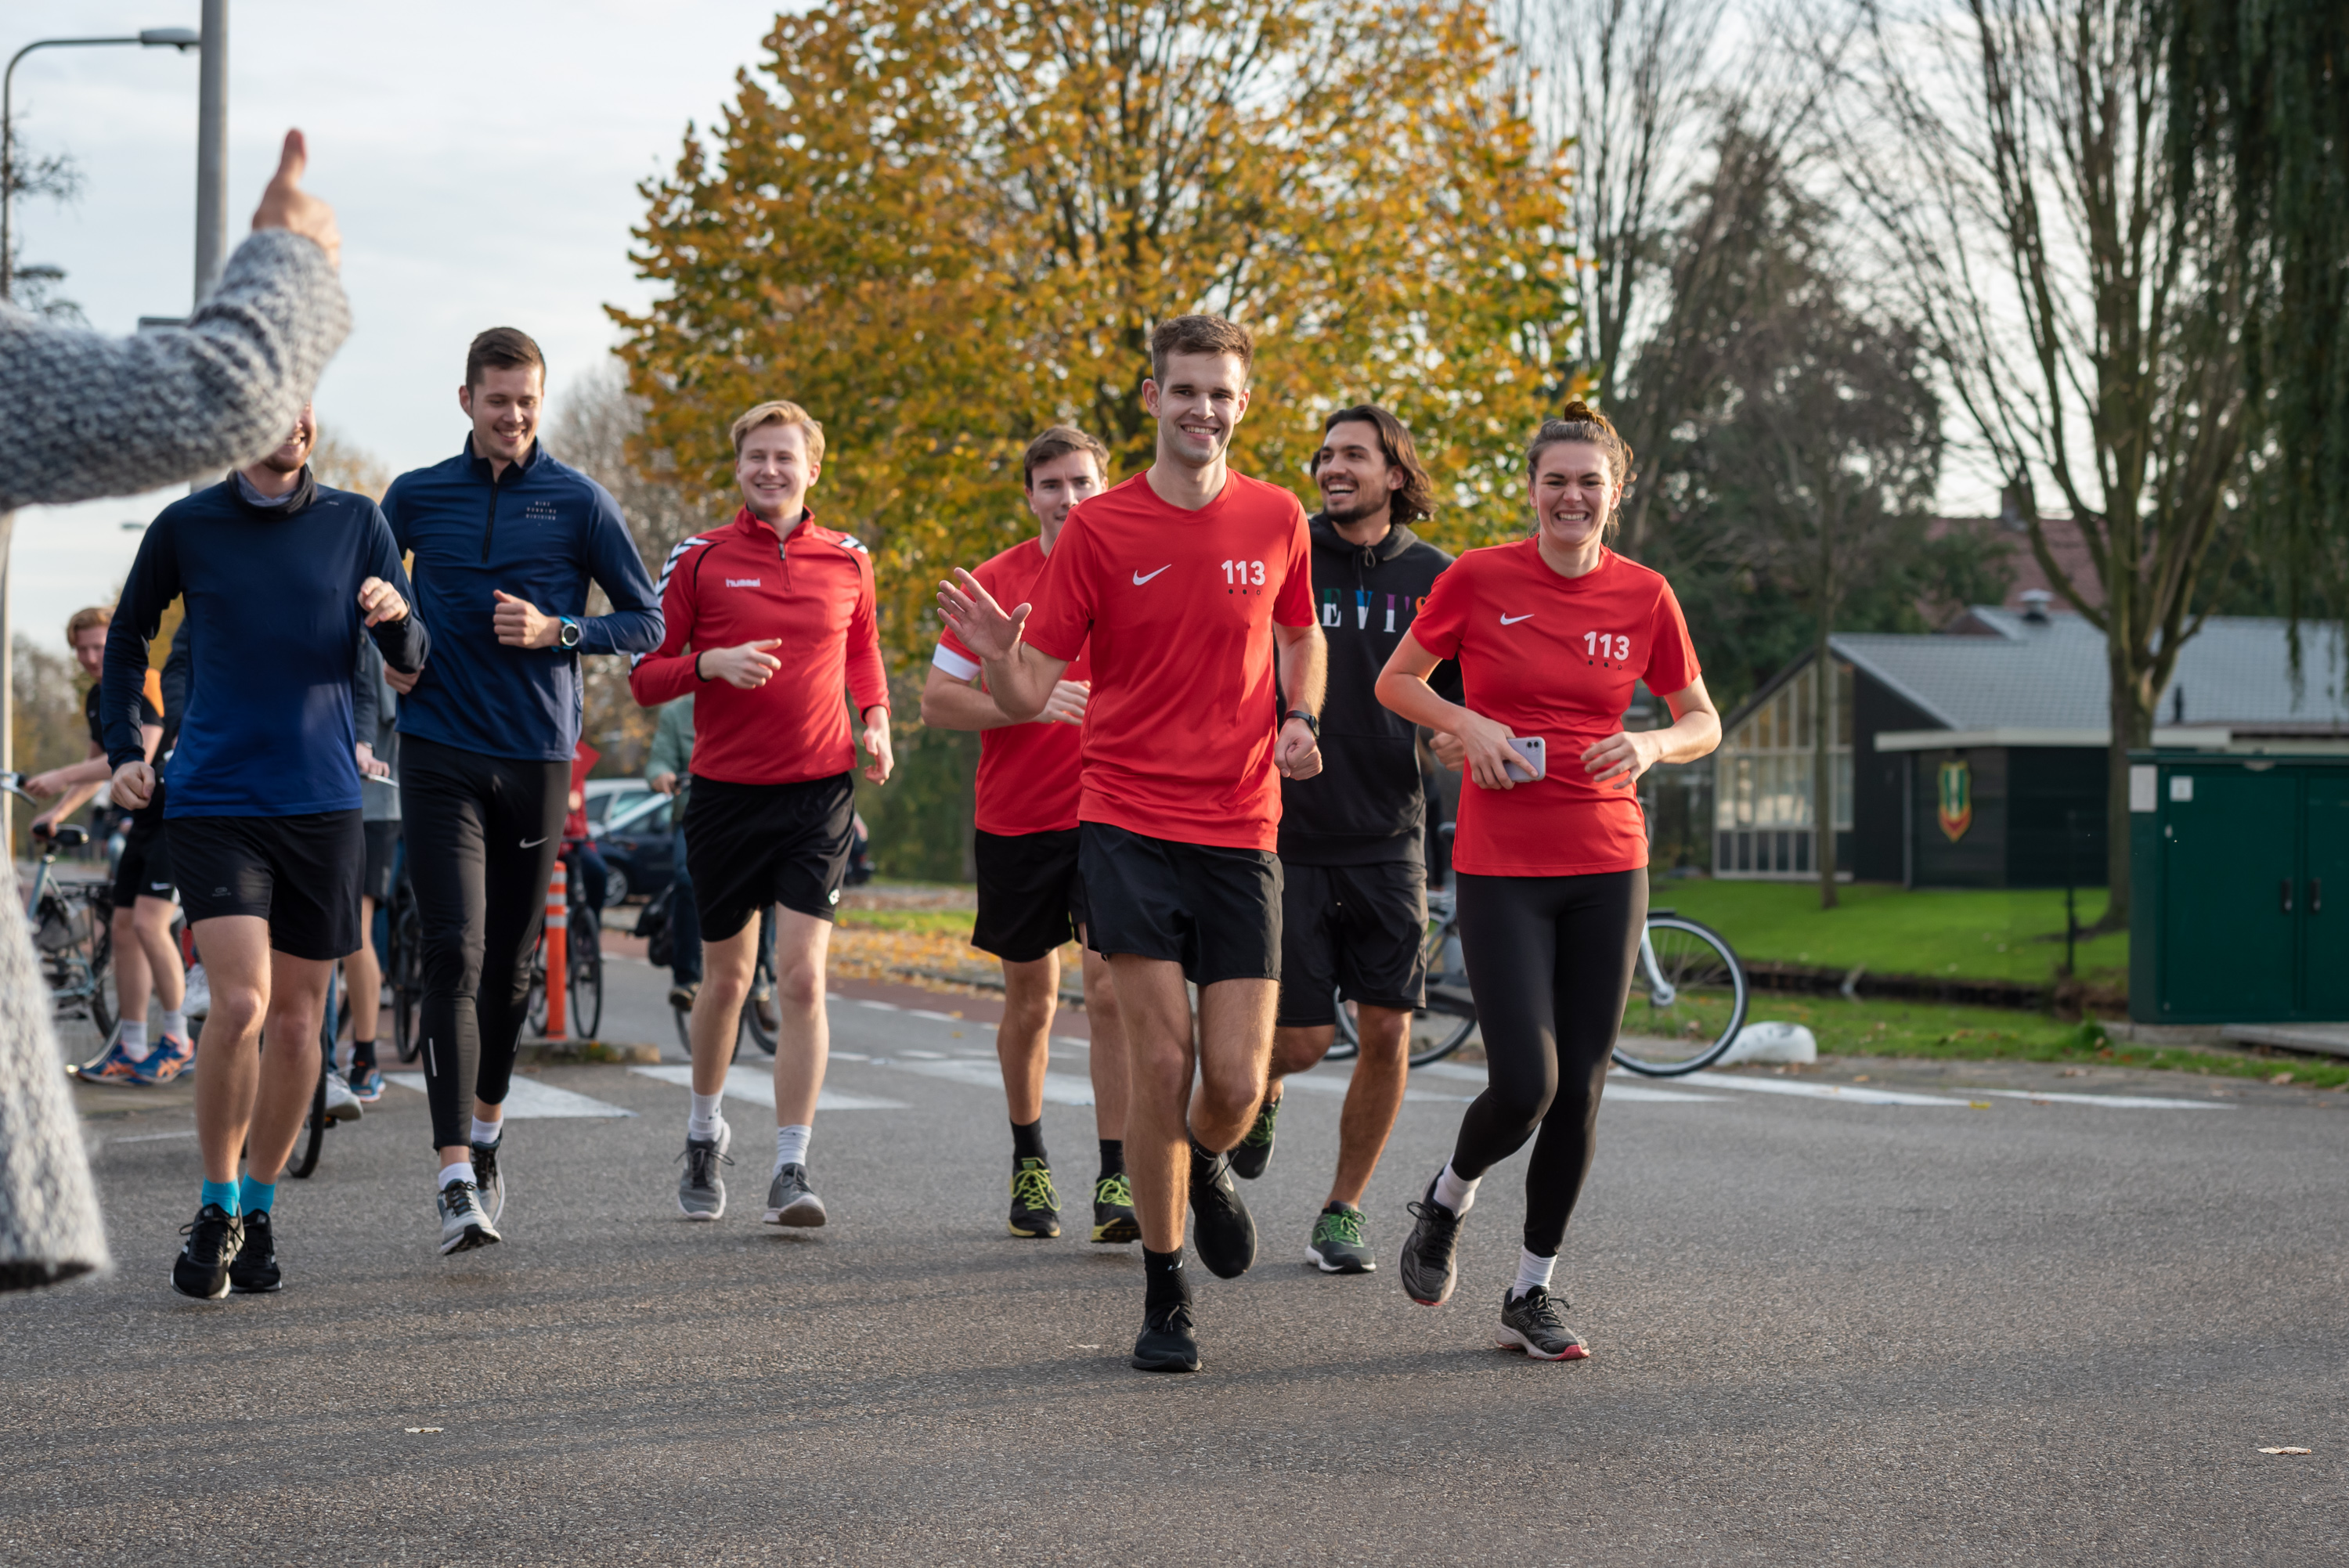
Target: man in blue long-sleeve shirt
(281, 576)
(507, 542)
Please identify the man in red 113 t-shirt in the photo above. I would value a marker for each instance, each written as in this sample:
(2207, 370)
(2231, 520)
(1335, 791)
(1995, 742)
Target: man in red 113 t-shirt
(1191, 583)
(1030, 897)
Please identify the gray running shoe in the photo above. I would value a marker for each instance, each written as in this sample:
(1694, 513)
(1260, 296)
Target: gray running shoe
(463, 1226)
(1531, 1323)
(701, 1191)
(342, 1104)
(1337, 1246)
(790, 1200)
(487, 1180)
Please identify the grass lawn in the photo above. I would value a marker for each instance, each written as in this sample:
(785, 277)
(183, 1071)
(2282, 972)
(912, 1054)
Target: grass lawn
(1989, 934)
(1869, 1028)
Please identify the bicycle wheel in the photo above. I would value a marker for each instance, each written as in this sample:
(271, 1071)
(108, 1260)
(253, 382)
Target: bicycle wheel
(1688, 999)
(313, 1135)
(586, 987)
(763, 993)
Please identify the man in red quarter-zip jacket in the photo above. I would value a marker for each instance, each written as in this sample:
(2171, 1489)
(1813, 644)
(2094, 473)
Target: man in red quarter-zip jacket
(768, 619)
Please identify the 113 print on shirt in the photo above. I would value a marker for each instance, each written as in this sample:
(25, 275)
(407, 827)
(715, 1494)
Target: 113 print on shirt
(1243, 576)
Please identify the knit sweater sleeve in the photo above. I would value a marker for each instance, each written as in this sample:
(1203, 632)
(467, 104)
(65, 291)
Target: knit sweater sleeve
(83, 414)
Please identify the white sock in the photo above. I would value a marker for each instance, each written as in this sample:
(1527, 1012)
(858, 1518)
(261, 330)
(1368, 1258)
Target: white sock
(1533, 1270)
(791, 1146)
(1453, 1193)
(703, 1122)
(488, 1131)
(175, 1024)
(460, 1171)
(133, 1038)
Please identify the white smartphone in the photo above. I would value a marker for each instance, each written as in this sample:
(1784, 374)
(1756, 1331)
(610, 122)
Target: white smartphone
(1534, 752)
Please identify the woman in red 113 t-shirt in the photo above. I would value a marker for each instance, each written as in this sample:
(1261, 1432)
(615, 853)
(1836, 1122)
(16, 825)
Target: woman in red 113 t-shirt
(1551, 633)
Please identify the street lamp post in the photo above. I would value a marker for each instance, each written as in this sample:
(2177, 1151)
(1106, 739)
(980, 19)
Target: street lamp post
(179, 38)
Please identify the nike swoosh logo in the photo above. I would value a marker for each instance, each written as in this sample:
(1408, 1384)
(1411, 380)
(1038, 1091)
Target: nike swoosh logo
(1513, 620)
(1139, 579)
(532, 844)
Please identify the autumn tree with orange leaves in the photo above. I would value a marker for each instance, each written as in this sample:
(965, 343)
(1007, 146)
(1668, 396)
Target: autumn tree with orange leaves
(942, 225)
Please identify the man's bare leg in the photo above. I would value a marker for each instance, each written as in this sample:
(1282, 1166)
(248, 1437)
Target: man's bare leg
(237, 1103)
(1031, 996)
(1155, 1008)
(1113, 1217)
(1373, 1098)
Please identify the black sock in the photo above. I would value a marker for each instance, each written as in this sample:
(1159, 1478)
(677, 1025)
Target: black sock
(1163, 1280)
(362, 1054)
(1027, 1141)
(1113, 1158)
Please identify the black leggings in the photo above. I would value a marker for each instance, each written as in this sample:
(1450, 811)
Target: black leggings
(483, 834)
(1551, 959)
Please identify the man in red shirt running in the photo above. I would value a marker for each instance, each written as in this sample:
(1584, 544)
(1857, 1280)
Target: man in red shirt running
(768, 818)
(1030, 897)
(1192, 582)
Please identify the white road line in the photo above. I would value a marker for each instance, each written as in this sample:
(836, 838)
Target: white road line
(1850, 1094)
(146, 1138)
(941, 1017)
(2113, 1101)
(1060, 1088)
(756, 1086)
(1334, 1084)
(529, 1099)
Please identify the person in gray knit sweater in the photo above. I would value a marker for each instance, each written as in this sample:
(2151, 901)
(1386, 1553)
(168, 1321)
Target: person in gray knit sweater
(83, 416)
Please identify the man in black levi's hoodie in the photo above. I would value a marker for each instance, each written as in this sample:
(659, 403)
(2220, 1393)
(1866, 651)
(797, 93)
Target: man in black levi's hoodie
(1354, 900)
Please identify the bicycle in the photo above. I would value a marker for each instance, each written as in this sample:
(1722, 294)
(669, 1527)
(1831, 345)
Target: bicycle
(403, 968)
(583, 970)
(1688, 976)
(73, 930)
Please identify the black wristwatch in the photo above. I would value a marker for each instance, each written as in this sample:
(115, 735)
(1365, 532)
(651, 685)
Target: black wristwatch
(569, 636)
(1312, 723)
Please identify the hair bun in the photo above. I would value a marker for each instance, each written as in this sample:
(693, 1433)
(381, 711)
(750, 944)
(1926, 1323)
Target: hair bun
(1578, 409)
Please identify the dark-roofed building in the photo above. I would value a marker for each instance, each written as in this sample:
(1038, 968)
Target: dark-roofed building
(1976, 757)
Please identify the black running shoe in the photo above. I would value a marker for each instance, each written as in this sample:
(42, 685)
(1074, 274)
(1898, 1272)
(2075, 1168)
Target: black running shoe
(1114, 1219)
(253, 1271)
(1531, 1323)
(486, 1180)
(1166, 1343)
(1035, 1205)
(1222, 1231)
(1426, 1265)
(1255, 1150)
(202, 1268)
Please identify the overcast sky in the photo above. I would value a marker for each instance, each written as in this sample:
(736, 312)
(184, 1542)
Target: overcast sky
(483, 159)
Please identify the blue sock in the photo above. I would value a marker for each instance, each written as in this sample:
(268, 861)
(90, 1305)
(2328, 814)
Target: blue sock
(221, 1193)
(255, 1198)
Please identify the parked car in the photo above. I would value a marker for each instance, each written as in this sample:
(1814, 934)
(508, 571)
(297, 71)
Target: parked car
(604, 795)
(640, 846)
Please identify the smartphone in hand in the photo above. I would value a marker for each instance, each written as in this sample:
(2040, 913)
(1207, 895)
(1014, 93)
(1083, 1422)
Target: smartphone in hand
(1534, 753)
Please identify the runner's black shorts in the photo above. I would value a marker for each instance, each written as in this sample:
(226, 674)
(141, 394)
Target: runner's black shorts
(301, 874)
(382, 848)
(145, 869)
(1358, 931)
(750, 845)
(1215, 911)
(1030, 897)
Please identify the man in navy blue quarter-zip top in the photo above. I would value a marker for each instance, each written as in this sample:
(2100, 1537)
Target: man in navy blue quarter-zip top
(506, 542)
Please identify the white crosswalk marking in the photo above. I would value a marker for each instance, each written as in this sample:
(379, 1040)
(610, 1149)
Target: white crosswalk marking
(1322, 1082)
(529, 1099)
(1850, 1094)
(758, 1087)
(1617, 1089)
(1060, 1088)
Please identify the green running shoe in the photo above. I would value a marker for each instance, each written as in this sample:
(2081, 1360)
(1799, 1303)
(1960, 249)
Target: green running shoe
(1035, 1206)
(1337, 1246)
(1113, 1217)
(1255, 1151)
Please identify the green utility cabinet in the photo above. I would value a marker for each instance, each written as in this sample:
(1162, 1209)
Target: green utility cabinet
(2240, 869)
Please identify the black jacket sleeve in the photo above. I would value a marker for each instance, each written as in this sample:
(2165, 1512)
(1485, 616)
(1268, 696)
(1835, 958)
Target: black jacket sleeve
(364, 686)
(153, 584)
(405, 644)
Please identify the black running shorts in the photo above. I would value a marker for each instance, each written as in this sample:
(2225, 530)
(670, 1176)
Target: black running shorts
(382, 846)
(1357, 930)
(750, 845)
(1215, 911)
(1030, 897)
(301, 874)
(145, 869)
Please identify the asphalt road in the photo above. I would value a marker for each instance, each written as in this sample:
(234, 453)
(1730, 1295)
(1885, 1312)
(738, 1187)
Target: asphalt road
(1826, 1328)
